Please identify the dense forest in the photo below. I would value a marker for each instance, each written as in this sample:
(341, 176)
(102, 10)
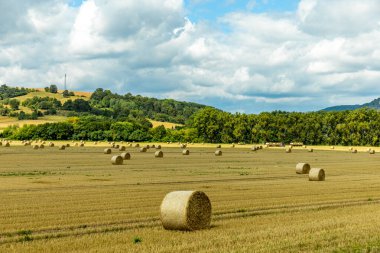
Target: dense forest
(358, 127)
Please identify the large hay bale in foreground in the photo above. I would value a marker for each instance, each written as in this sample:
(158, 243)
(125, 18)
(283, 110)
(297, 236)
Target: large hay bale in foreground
(159, 154)
(185, 152)
(288, 150)
(107, 151)
(62, 147)
(302, 168)
(218, 153)
(35, 146)
(143, 149)
(372, 152)
(185, 210)
(126, 156)
(316, 174)
(117, 160)
(122, 148)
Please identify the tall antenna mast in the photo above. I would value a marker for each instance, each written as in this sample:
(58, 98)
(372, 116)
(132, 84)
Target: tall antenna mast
(65, 82)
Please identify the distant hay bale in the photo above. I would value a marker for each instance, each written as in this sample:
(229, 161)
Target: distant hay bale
(159, 154)
(25, 144)
(130, 145)
(76, 144)
(62, 147)
(137, 145)
(332, 147)
(67, 145)
(42, 146)
(81, 145)
(316, 174)
(185, 152)
(354, 151)
(302, 168)
(183, 145)
(372, 152)
(233, 145)
(153, 146)
(254, 148)
(95, 143)
(122, 148)
(35, 146)
(310, 150)
(186, 210)
(51, 144)
(143, 149)
(117, 146)
(218, 146)
(7, 144)
(304, 146)
(260, 147)
(125, 156)
(147, 146)
(288, 150)
(117, 160)
(107, 151)
(218, 153)
(369, 150)
(158, 147)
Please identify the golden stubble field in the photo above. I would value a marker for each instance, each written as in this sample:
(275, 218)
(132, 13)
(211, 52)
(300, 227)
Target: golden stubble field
(74, 200)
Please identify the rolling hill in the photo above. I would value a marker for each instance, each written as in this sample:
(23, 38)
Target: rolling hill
(375, 104)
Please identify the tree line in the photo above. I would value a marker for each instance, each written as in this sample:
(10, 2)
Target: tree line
(358, 127)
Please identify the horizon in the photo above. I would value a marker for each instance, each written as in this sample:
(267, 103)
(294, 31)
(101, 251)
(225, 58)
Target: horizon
(238, 56)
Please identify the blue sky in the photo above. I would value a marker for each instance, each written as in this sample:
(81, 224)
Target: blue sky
(240, 56)
(213, 9)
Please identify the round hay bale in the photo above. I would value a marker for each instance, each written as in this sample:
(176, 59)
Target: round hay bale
(302, 168)
(218, 146)
(254, 148)
(233, 145)
(35, 146)
(354, 151)
(62, 147)
(81, 145)
(25, 144)
(122, 148)
(137, 145)
(332, 147)
(153, 146)
(159, 154)
(42, 146)
(186, 210)
(143, 149)
(130, 145)
(185, 152)
(116, 146)
(76, 144)
(107, 151)
(218, 153)
(260, 147)
(126, 156)
(288, 150)
(7, 144)
(117, 160)
(310, 150)
(147, 146)
(316, 174)
(158, 147)
(372, 152)
(51, 144)
(67, 145)
(183, 146)
(369, 150)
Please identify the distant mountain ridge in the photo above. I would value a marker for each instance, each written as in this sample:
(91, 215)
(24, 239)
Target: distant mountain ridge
(375, 104)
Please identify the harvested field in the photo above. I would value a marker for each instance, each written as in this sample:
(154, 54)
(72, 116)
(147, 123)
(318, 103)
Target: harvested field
(75, 200)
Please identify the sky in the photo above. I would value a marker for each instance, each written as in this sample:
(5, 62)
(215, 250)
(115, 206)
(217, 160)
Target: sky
(243, 56)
